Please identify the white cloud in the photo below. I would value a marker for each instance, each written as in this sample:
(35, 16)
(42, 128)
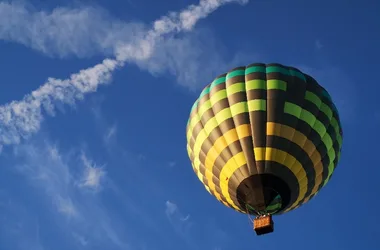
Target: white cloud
(66, 206)
(92, 174)
(45, 168)
(44, 165)
(63, 31)
(110, 133)
(87, 30)
(20, 119)
(171, 208)
(181, 224)
(194, 59)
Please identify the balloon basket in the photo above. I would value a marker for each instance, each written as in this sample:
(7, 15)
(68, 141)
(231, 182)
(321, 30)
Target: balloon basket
(263, 225)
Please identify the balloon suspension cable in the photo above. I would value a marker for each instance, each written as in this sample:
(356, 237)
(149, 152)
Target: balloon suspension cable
(259, 213)
(247, 211)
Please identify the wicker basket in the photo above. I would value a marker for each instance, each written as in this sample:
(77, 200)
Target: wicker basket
(263, 225)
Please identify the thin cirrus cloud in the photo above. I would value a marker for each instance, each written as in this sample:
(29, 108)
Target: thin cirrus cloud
(181, 224)
(20, 119)
(64, 31)
(87, 31)
(44, 164)
(92, 174)
(56, 174)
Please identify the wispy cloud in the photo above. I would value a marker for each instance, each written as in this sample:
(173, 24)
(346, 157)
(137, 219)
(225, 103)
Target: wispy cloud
(181, 223)
(65, 32)
(318, 44)
(65, 206)
(134, 169)
(88, 30)
(172, 164)
(57, 175)
(46, 169)
(185, 56)
(92, 175)
(111, 133)
(55, 172)
(20, 119)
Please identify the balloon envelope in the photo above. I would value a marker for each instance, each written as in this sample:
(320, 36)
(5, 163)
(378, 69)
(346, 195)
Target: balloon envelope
(264, 138)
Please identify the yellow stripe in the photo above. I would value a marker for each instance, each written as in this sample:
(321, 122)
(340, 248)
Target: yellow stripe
(207, 177)
(315, 189)
(302, 141)
(212, 153)
(189, 151)
(214, 98)
(314, 123)
(232, 164)
(276, 84)
(242, 107)
(308, 146)
(235, 88)
(287, 160)
(285, 132)
(257, 104)
(219, 118)
(212, 192)
(208, 189)
(222, 143)
(211, 125)
(255, 84)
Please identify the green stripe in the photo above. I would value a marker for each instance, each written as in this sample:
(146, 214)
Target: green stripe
(310, 96)
(276, 85)
(314, 123)
(326, 94)
(255, 69)
(239, 72)
(218, 81)
(213, 84)
(274, 69)
(289, 72)
(336, 127)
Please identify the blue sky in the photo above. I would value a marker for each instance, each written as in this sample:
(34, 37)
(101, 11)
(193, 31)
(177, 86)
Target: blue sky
(93, 155)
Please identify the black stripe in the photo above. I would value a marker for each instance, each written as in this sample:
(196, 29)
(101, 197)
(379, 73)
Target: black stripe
(297, 152)
(311, 134)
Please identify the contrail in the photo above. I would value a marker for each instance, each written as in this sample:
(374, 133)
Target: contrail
(20, 119)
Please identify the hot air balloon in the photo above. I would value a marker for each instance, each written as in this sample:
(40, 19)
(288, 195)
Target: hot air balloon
(264, 139)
